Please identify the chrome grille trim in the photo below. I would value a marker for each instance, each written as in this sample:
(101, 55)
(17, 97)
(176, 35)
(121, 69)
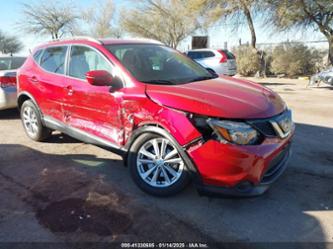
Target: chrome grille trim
(278, 126)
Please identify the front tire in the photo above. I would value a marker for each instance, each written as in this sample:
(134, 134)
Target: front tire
(32, 122)
(156, 165)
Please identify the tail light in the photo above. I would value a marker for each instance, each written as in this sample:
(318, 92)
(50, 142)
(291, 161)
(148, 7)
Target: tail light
(7, 81)
(224, 56)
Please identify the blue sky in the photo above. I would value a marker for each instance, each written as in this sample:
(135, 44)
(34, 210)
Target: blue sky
(220, 33)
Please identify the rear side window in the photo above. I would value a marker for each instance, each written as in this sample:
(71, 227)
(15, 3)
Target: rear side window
(194, 55)
(37, 55)
(230, 55)
(200, 54)
(84, 59)
(53, 59)
(207, 54)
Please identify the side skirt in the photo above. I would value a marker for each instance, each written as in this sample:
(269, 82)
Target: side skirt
(82, 135)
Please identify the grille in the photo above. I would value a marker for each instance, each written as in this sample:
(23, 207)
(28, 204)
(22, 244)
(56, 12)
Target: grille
(283, 122)
(264, 127)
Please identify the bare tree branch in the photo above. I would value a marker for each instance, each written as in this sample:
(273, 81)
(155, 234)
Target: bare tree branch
(9, 44)
(235, 10)
(101, 20)
(48, 18)
(169, 21)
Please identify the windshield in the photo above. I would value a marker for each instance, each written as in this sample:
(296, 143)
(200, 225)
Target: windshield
(10, 63)
(158, 64)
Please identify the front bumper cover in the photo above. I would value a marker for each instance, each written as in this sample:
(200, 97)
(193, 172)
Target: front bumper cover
(246, 189)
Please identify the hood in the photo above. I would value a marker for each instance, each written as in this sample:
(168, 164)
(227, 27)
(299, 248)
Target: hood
(223, 97)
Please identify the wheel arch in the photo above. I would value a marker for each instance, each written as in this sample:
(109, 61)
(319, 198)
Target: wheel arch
(24, 96)
(148, 128)
(160, 130)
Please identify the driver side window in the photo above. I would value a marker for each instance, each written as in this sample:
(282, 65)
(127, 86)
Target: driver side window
(84, 59)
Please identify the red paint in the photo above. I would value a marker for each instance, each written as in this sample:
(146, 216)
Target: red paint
(115, 115)
(226, 165)
(99, 78)
(222, 97)
(224, 56)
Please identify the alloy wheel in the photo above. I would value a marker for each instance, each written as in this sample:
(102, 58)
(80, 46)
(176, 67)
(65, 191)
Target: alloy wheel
(159, 163)
(30, 121)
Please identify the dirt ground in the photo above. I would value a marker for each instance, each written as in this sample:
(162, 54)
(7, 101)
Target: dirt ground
(65, 191)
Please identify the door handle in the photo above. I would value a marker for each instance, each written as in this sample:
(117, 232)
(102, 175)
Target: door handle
(69, 90)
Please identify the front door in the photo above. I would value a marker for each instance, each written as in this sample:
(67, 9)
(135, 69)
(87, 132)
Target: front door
(91, 109)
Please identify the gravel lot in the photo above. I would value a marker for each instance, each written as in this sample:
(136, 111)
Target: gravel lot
(64, 190)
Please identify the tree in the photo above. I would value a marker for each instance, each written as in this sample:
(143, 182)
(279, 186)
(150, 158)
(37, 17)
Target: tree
(169, 21)
(236, 11)
(294, 59)
(248, 60)
(9, 44)
(48, 18)
(100, 18)
(318, 14)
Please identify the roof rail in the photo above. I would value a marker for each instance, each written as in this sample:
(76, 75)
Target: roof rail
(132, 39)
(88, 38)
(146, 39)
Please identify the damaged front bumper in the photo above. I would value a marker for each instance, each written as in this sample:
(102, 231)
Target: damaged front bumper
(242, 171)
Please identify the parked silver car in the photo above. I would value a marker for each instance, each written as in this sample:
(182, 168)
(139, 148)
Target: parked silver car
(8, 92)
(325, 76)
(219, 60)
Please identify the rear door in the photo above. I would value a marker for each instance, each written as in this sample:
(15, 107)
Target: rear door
(47, 81)
(92, 109)
(206, 58)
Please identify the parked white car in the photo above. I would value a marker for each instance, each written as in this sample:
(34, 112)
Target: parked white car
(8, 91)
(220, 60)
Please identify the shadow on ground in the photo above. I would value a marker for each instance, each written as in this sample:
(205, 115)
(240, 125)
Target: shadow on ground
(9, 114)
(71, 198)
(61, 138)
(327, 87)
(276, 84)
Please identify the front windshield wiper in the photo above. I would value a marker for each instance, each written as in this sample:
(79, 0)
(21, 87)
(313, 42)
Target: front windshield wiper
(162, 82)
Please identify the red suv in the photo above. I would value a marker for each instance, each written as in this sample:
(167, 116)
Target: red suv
(170, 118)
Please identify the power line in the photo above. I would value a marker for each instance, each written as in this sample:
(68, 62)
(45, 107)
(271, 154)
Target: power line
(274, 43)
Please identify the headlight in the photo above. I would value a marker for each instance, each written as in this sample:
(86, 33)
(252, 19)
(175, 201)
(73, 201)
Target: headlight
(234, 132)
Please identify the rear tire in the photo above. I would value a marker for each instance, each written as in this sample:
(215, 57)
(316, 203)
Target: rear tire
(159, 173)
(32, 122)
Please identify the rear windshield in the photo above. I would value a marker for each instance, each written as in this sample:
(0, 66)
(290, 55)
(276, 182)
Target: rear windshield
(229, 54)
(11, 63)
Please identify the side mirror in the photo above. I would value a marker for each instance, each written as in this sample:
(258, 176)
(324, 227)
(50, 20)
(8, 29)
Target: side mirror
(99, 78)
(104, 78)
